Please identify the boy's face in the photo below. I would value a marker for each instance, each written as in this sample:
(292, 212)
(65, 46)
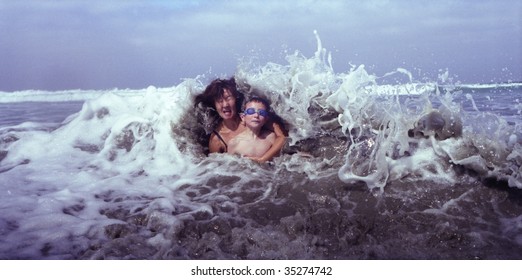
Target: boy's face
(255, 120)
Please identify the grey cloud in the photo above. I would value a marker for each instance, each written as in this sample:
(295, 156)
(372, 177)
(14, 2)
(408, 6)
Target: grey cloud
(104, 43)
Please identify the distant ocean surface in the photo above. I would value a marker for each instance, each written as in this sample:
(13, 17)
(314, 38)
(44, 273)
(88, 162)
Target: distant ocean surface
(371, 171)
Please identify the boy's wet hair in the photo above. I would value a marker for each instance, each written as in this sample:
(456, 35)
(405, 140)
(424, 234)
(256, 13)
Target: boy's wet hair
(261, 100)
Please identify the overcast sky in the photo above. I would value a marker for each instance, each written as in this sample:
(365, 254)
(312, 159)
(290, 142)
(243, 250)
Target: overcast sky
(104, 44)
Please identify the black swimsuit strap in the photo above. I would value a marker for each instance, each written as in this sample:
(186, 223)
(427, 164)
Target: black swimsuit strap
(222, 140)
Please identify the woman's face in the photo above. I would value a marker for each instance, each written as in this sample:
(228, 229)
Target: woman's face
(226, 105)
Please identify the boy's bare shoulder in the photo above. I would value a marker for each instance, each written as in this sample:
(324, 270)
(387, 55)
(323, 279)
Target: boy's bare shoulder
(268, 134)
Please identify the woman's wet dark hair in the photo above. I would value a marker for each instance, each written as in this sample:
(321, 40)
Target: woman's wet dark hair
(215, 91)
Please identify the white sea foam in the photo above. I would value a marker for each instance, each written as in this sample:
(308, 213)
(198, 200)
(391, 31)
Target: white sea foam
(61, 96)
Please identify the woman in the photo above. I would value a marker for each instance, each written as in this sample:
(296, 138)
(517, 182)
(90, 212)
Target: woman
(224, 102)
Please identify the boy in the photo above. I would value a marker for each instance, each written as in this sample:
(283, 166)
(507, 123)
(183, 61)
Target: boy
(255, 140)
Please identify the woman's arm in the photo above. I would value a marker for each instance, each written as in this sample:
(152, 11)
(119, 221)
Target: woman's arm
(276, 148)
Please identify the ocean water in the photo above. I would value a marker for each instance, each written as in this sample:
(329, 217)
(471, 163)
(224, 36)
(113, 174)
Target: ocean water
(373, 169)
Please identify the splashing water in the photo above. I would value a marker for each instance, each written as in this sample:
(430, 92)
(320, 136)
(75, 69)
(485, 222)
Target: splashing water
(370, 171)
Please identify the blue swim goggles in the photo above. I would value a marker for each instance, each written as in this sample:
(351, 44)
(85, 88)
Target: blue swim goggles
(261, 112)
